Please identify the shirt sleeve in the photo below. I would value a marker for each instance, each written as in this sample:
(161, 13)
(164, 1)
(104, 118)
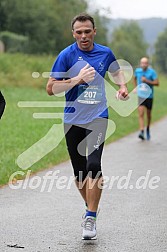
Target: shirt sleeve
(154, 75)
(113, 63)
(60, 67)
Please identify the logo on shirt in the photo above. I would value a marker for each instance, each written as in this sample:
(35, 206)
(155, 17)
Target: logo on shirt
(80, 58)
(101, 66)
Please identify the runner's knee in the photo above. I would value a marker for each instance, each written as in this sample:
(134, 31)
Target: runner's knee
(94, 169)
(80, 175)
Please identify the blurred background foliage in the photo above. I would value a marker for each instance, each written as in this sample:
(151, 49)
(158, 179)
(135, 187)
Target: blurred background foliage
(44, 27)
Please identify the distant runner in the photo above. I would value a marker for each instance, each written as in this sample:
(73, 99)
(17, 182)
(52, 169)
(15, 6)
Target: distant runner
(145, 77)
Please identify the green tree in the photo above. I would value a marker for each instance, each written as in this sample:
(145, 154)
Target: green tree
(63, 12)
(3, 15)
(100, 23)
(30, 18)
(128, 42)
(161, 51)
(45, 22)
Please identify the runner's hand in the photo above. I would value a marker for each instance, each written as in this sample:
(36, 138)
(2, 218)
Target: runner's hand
(122, 93)
(143, 79)
(86, 74)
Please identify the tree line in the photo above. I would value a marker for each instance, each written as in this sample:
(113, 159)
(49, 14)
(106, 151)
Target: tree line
(45, 24)
(44, 27)
(128, 43)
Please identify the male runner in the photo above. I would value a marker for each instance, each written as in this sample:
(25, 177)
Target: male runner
(145, 77)
(82, 67)
(2, 104)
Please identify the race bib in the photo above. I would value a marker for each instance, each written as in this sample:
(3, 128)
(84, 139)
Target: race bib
(89, 94)
(144, 90)
(144, 87)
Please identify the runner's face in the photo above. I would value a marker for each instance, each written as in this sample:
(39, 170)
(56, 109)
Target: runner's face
(144, 64)
(84, 34)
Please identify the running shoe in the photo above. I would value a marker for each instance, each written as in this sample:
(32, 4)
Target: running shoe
(89, 228)
(141, 135)
(148, 134)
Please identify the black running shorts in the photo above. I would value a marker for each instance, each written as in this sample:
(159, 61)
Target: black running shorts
(85, 146)
(148, 103)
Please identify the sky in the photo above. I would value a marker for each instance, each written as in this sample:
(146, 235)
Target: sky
(131, 9)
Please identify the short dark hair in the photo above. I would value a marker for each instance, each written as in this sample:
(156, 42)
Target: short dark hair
(82, 17)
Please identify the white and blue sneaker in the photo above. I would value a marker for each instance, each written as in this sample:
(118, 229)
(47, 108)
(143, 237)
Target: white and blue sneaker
(89, 228)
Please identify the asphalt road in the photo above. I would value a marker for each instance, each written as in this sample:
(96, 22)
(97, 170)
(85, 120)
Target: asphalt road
(130, 220)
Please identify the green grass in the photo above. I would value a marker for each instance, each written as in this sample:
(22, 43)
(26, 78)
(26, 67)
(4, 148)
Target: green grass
(16, 69)
(19, 130)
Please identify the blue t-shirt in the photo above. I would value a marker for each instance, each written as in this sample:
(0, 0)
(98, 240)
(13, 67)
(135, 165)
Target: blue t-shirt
(144, 90)
(67, 65)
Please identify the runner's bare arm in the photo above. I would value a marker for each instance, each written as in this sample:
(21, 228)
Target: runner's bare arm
(119, 79)
(135, 82)
(54, 86)
(154, 82)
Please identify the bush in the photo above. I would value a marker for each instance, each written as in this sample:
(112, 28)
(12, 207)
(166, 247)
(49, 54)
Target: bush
(14, 42)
